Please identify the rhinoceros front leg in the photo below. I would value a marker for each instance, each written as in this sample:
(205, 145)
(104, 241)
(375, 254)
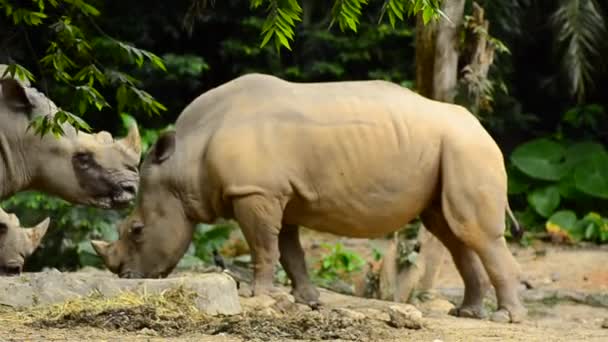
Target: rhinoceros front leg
(293, 261)
(260, 220)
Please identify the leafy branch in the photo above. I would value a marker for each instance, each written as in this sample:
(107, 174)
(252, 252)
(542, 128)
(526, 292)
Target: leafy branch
(580, 30)
(72, 60)
(282, 15)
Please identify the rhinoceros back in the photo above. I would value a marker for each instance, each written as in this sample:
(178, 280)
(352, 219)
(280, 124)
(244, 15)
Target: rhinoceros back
(346, 157)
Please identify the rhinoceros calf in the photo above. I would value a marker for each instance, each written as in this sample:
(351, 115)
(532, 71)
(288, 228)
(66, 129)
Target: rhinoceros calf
(357, 158)
(17, 243)
(91, 169)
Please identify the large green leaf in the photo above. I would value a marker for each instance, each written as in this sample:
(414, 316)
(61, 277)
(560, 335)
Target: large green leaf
(591, 175)
(579, 152)
(540, 159)
(567, 188)
(544, 200)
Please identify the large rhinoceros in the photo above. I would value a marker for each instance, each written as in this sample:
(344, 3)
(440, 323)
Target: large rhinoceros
(17, 243)
(356, 158)
(91, 169)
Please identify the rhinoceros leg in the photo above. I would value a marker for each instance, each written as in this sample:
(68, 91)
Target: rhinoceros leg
(260, 221)
(477, 218)
(293, 261)
(469, 265)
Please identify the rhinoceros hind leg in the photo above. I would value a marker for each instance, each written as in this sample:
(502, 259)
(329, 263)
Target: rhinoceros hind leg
(293, 261)
(476, 282)
(479, 222)
(260, 221)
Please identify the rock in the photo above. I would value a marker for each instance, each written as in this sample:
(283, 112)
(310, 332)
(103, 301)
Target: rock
(284, 303)
(303, 307)
(437, 305)
(245, 290)
(555, 276)
(269, 312)
(352, 314)
(572, 295)
(90, 269)
(375, 314)
(51, 270)
(148, 332)
(257, 302)
(217, 293)
(405, 316)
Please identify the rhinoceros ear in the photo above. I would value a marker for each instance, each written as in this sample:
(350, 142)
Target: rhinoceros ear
(15, 96)
(164, 147)
(36, 233)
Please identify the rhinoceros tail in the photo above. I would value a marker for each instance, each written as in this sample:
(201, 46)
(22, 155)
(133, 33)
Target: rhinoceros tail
(516, 230)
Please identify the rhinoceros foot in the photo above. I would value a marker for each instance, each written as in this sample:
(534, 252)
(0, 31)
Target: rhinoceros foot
(307, 295)
(469, 312)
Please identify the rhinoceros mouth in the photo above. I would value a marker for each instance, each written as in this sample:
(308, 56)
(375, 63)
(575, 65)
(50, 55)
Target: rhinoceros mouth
(131, 275)
(139, 275)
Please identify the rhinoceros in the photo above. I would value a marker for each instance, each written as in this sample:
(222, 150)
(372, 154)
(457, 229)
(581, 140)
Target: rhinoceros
(91, 169)
(17, 243)
(352, 158)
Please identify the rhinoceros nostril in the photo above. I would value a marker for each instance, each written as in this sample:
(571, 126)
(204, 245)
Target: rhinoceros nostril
(10, 270)
(128, 188)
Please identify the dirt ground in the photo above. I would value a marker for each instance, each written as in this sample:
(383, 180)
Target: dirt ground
(569, 302)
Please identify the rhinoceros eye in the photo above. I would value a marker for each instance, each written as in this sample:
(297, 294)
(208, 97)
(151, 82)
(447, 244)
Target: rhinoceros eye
(84, 159)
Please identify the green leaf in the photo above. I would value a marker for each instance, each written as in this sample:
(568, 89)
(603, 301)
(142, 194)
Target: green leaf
(545, 200)
(590, 231)
(567, 187)
(581, 151)
(580, 31)
(566, 219)
(541, 159)
(427, 14)
(564, 222)
(591, 175)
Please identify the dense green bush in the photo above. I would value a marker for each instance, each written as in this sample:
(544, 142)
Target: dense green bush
(561, 178)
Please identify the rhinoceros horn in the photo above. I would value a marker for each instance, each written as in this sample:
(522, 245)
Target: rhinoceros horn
(133, 139)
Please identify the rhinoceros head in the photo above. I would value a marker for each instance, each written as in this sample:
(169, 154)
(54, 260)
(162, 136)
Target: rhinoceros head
(157, 233)
(91, 169)
(17, 243)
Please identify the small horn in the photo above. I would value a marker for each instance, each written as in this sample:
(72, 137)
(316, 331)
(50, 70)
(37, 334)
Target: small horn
(133, 139)
(36, 233)
(101, 248)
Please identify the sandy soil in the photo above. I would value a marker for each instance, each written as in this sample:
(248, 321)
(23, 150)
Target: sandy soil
(548, 267)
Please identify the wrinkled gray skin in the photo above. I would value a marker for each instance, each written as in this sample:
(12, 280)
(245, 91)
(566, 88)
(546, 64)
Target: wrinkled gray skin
(357, 158)
(17, 243)
(82, 168)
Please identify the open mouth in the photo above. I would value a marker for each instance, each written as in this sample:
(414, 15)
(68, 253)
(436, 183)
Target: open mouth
(10, 270)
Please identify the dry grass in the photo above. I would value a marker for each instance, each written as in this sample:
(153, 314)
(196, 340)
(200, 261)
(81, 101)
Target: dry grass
(169, 312)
